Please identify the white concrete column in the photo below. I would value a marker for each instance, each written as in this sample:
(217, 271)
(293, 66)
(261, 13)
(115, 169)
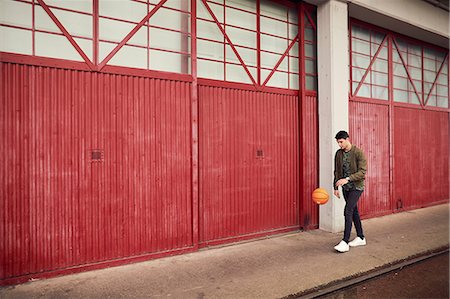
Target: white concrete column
(333, 71)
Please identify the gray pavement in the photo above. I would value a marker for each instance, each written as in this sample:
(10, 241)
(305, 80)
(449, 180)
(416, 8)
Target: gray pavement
(268, 268)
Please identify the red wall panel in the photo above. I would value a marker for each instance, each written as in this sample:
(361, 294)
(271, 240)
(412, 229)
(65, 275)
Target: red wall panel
(58, 208)
(421, 153)
(369, 130)
(310, 210)
(249, 170)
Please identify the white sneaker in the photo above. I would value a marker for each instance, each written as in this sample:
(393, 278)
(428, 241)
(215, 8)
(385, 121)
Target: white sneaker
(358, 242)
(342, 247)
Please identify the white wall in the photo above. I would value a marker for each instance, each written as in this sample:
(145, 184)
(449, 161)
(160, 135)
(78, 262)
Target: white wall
(415, 12)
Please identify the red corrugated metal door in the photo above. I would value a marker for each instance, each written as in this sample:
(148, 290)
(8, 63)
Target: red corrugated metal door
(421, 151)
(94, 167)
(248, 162)
(369, 130)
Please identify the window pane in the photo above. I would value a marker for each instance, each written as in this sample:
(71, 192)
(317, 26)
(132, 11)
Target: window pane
(55, 46)
(429, 64)
(271, 9)
(400, 96)
(382, 54)
(311, 82)
(294, 81)
(413, 98)
(203, 13)
(123, 10)
(75, 23)
(310, 66)
(249, 5)
(242, 37)
(80, 5)
(209, 30)
(417, 85)
(399, 70)
(170, 19)
(380, 92)
(268, 60)
(275, 27)
(169, 62)
(429, 76)
(360, 33)
(15, 40)
(168, 40)
(415, 49)
(360, 46)
(415, 73)
(43, 21)
(279, 79)
(442, 79)
(360, 61)
(414, 60)
(364, 91)
(309, 34)
(380, 65)
(241, 19)
(293, 64)
(310, 50)
(115, 31)
(442, 90)
(210, 70)
(379, 79)
(247, 55)
(401, 83)
(442, 102)
(130, 57)
(432, 101)
(237, 73)
(211, 50)
(357, 74)
(273, 44)
(15, 13)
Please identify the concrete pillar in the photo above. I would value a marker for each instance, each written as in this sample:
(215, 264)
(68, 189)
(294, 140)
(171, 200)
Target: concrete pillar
(333, 85)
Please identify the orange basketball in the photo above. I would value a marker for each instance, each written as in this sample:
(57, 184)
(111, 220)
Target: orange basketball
(320, 196)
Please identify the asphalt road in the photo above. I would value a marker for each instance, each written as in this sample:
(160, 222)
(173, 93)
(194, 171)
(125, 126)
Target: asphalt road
(426, 279)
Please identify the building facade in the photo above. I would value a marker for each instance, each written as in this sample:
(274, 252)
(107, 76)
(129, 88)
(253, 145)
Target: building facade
(137, 129)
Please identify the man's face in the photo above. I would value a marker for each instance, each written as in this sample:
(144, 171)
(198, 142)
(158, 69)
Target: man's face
(343, 143)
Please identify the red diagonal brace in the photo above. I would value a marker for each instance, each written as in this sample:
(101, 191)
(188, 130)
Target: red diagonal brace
(370, 65)
(130, 35)
(229, 42)
(435, 80)
(281, 59)
(407, 72)
(66, 34)
(310, 19)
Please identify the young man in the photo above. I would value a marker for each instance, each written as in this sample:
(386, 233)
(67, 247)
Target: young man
(350, 167)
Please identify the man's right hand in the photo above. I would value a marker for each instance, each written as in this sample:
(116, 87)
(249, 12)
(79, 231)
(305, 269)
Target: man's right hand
(336, 193)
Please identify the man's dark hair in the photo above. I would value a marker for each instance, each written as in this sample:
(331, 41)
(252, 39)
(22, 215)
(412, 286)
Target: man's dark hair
(341, 135)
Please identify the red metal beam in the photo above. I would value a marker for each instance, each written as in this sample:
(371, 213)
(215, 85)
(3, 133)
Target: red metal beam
(407, 72)
(370, 65)
(258, 40)
(95, 30)
(66, 34)
(280, 60)
(130, 35)
(194, 128)
(230, 43)
(435, 80)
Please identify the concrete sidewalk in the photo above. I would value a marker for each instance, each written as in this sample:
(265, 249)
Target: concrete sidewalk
(268, 268)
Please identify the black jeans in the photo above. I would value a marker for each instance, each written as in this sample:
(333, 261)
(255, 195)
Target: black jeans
(351, 214)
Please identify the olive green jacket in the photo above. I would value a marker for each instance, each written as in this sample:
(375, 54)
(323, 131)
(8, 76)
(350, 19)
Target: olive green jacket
(358, 167)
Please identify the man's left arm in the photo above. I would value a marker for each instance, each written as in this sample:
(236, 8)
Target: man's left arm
(362, 167)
